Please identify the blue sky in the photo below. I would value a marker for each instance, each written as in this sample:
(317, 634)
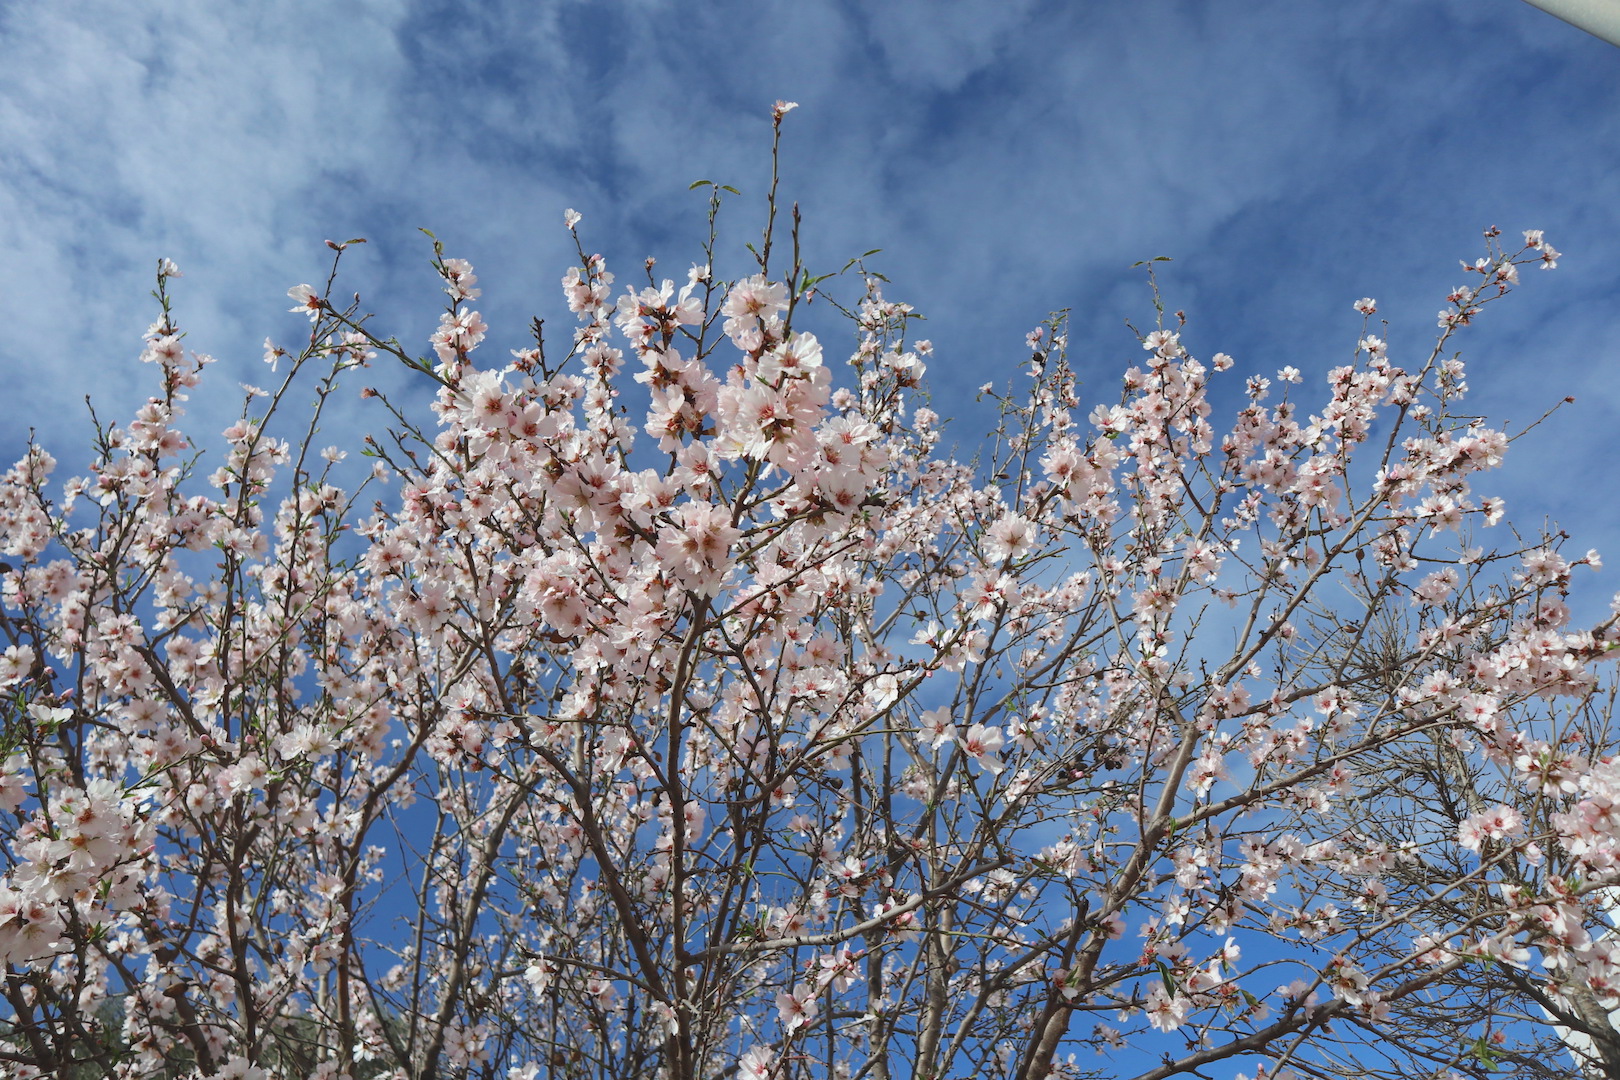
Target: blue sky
(1010, 157)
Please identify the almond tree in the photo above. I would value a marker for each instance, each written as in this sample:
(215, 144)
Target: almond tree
(713, 722)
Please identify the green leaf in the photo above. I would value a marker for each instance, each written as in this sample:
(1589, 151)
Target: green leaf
(728, 187)
(700, 183)
(1482, 1051)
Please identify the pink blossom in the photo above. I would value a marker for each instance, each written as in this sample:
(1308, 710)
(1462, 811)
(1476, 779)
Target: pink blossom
(1499, 823)
(756, 1063)
(798, 1008)
(982, 744)
(306, 300)
(937, 728)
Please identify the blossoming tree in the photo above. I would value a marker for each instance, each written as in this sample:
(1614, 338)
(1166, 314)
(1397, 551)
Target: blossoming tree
(743, 733)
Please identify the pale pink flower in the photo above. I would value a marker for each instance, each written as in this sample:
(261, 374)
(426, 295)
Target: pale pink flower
(798, 357)
(756, 1063)
(937, 728)
(798, 1008)
(306, 300)
(982, 745)
(1167, 1011)
(1498, 823)
(460, 279)
(1012, 536)
(15, 663)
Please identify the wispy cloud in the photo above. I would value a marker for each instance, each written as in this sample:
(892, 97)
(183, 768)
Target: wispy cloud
(1011, 157)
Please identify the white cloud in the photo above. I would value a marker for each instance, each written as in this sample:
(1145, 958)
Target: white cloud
(1010, 157)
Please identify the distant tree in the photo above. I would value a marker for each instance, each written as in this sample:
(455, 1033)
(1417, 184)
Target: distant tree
(757, 737)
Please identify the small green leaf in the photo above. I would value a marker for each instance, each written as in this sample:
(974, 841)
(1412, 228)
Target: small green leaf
(700, 183)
